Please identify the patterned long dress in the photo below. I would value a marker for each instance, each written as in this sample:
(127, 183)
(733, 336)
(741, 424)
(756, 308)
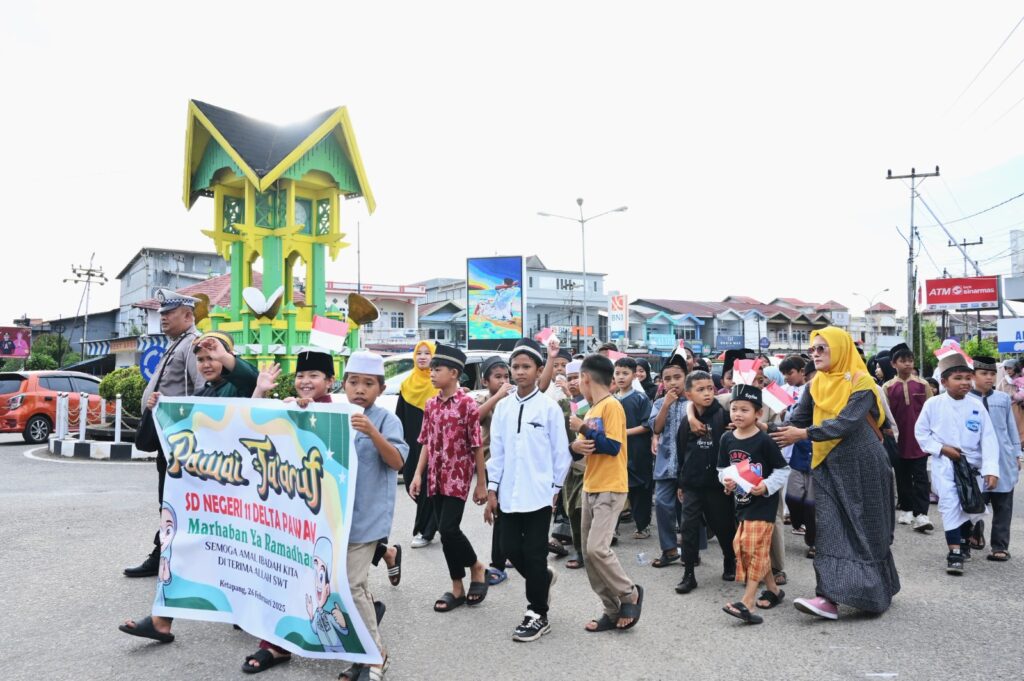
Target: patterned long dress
(854, 507)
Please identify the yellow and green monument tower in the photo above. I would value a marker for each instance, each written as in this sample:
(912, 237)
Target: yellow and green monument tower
(277, 192)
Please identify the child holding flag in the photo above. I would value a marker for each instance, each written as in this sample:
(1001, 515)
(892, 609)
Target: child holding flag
(751, 467)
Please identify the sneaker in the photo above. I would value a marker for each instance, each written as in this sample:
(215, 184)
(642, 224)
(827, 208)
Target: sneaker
(642, 534)
(419, 541)
(533, 627)
(818, 606)
(905, 518)
(551, 584)
(801, 531)
(923, 524)
(954, 564)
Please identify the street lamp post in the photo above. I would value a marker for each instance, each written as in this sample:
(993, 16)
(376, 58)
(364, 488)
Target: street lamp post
(871, 303)
(583, 240)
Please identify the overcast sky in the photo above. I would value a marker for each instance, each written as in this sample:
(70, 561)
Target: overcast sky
(749, 140)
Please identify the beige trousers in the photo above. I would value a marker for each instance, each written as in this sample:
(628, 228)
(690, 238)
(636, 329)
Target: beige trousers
(607, 578)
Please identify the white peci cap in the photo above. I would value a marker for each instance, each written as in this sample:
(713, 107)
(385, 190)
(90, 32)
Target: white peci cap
(364, 362)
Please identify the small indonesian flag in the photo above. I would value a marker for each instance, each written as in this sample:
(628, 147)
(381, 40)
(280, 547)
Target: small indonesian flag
(328, 334)
(544, 334)
(951, 347)
(616, 356)
(775, 398)
(743, 475)
(744, 371)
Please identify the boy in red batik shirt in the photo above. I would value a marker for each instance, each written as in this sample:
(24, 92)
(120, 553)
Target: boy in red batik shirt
(452, 448)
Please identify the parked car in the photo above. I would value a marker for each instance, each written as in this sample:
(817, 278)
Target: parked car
(398, 367)
(28, 400)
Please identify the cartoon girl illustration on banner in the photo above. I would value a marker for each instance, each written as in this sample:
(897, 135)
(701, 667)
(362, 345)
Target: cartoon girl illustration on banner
(168, 528)
(324, 607)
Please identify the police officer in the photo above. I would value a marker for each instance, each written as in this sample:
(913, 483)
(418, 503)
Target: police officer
(177, 375)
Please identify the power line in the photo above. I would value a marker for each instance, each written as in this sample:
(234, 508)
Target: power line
(985, 65)
(1012, 71)
(973, 215)
(1007, 112)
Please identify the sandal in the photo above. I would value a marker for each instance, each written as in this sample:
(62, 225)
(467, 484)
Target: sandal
(395, 573)
(574, 563)
(144, 629)
(378, 610)
(353, 673)
(780, 578)
(770, 598)
(377, 673)
(810, 553)
(555, 547)
(448, 602)
(977, 538)
(665, 559)
(265, 660)
(632, 610)
(998, 556)
(477, 593)
(604, 624)
(739, 611)
(495, 576)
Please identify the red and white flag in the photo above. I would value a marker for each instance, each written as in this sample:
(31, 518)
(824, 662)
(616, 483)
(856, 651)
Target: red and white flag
(744, 371)
(328, 334)
(745, 477)
(776, 398)
(951, 347)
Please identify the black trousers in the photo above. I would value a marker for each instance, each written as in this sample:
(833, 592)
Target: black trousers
(576, 525)
(913, 485)
(800, 500)
(498, 557)
(161, 474)
(641, 499)
(426, 517)
(1002, 512)
(458, 552)
(524, 539)
(718, 510)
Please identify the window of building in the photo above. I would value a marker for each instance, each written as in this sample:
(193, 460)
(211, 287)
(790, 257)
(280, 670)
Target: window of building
(546, 320)
(689, 333)
(397, 320)
(531, 282)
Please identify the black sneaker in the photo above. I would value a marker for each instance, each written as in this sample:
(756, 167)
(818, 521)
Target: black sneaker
(965, 551)
(148, 568)
(954, 564)
(533, 627)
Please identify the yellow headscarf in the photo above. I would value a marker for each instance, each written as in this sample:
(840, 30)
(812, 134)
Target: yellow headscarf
(831, 389)
(417, 389)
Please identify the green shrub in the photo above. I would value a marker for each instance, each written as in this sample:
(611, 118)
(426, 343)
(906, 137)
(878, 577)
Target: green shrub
(127, 381)
(40, 362)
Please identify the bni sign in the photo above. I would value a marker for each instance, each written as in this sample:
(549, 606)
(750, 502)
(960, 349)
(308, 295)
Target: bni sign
(618, 317)
(1010, 334)
(962, 293)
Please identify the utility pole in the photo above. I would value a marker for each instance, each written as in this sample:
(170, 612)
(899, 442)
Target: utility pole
(87, 275)
(914, 177)
(963, 249)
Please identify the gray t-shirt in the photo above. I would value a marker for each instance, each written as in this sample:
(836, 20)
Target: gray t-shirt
(373, 507)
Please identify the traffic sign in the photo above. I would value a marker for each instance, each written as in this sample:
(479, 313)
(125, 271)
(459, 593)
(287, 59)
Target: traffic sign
(765, 343)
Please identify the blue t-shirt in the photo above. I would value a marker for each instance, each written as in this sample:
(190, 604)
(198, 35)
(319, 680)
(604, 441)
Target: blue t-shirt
(666, 464)
(373, 507)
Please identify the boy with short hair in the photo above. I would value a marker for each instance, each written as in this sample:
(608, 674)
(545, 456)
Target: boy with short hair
(452, 448)
(667, 415)
(529, 460)
(699, 489)
(495, 373)
(907, 394)
(602, 441)
(572, 489)
(952, 426)
(638, 435)
(1000, 497)
(748, 453)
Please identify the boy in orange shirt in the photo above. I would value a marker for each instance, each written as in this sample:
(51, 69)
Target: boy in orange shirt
(602, 440)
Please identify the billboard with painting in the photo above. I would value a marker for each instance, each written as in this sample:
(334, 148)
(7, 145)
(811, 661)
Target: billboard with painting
(496, 302)
(15, 342)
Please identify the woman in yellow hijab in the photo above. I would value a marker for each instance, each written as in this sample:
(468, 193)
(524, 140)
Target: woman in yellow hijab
(853, 491)
(412, 398)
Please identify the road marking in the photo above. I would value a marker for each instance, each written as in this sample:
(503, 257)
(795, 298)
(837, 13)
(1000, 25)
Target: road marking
(29, 454)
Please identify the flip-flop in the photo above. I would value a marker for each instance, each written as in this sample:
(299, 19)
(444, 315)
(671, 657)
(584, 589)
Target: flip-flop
(495, 576)
(780, 578)
(772, 599)
(395, 573)
(450, 602)
(606, 623)
(632, 610)
(998, 556)
(478, 589)
(379, 609)
(144, 629)
(352, 673)
(739, 611)
(574, 563)
(266, 660)
(977, 538)
(557, 549)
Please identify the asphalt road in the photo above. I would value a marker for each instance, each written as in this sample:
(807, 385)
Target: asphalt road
(68, 528)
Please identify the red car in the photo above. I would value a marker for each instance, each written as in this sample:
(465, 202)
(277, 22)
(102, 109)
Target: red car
(28, 400)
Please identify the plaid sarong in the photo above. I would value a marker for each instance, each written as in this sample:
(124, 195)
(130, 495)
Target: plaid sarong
(752, 545)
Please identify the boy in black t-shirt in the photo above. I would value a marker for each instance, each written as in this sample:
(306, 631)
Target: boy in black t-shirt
(752, 468)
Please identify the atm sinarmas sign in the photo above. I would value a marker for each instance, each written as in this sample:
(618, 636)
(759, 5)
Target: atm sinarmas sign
(962, 293)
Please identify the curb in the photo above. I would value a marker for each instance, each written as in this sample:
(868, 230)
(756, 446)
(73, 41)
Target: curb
(94, 449)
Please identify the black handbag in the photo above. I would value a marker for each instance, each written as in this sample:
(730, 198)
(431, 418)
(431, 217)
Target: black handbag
(146, 437)
(965, 477)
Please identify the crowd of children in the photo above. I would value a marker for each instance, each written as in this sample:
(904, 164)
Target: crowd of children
(586, 437)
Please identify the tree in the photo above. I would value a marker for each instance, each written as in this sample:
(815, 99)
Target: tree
(985, 348)
(40, 362)
(931, 344)
(129, 383)
(56, 347)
